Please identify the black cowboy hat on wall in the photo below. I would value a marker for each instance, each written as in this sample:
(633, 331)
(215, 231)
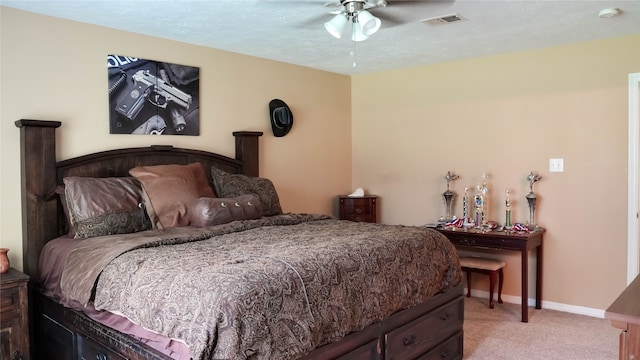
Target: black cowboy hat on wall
(281, 117)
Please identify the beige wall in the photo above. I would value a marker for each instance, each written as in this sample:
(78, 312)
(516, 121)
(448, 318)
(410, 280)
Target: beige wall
(53, 69)
(507, 115)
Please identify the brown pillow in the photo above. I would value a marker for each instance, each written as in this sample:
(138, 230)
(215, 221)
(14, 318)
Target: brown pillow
(105, 206)
(206, 211)
(169, 189)
(233, 185)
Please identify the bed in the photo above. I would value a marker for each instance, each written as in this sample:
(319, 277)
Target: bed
(287, 286)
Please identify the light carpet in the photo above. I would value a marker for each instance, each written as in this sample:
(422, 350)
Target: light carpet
(499, 334)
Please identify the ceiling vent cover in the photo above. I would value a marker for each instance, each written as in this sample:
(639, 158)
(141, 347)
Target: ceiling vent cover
(441, 20)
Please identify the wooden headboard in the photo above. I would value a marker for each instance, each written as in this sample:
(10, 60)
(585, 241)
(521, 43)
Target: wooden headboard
(42, 215)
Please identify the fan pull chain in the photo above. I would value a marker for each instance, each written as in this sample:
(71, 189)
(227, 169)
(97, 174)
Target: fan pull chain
(354, 53)
(355, 60)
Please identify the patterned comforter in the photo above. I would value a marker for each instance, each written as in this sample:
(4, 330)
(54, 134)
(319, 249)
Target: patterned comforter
(272, 288)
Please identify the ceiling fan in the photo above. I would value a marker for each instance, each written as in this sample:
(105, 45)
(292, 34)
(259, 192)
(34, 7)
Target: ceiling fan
(357, 14)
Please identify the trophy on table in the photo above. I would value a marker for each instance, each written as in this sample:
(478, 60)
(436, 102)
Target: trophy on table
(531, 198)
(448, 194)
(465, 208)
(480, 203)
(507, 220)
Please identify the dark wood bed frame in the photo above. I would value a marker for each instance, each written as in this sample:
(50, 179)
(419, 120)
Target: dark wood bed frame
(431, 330)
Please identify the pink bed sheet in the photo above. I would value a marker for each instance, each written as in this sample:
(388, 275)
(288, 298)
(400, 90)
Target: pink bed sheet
(51, 264)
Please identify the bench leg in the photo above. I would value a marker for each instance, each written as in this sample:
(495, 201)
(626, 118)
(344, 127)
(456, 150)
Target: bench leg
(492, 283)
(500, 281)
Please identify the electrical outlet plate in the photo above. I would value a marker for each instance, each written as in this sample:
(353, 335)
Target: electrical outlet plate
(556, 165)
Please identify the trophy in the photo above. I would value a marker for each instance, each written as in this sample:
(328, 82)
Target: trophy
(481, 207)
(531, 198)
(465, 206)
(448, 194)
(507, 220)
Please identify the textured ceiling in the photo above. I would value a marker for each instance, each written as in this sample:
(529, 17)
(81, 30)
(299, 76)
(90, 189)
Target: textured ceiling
(292, 31)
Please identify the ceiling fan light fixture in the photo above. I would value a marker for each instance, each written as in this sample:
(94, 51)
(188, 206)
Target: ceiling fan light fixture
(368, 23)
(336, 25)
(357, 34)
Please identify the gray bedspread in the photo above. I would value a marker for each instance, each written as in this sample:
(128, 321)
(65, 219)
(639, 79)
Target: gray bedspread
(272, 288)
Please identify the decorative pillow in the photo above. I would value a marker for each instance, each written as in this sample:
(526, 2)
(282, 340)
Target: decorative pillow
(105, 206)
(233, 185)
(168, 190)
(206, 211)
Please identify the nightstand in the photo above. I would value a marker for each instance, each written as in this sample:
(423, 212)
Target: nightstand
(359, 209)
(14, 316)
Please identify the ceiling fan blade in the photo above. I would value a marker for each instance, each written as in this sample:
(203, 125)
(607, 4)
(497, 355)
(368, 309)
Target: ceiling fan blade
(334, 4)
(396, 3)
(388, 20)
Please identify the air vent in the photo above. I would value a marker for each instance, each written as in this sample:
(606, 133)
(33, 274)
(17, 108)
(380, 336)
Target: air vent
(441, 20)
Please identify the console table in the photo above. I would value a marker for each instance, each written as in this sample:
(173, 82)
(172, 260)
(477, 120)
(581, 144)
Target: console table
(501, 240)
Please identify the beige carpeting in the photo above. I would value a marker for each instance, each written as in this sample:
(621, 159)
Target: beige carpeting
(498, 334)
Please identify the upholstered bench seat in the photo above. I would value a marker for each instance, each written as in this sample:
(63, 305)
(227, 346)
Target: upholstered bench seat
(490, 267)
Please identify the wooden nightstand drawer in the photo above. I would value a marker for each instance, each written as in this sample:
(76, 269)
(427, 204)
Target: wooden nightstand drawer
(9, 299)
(360, 209)
(91, 350)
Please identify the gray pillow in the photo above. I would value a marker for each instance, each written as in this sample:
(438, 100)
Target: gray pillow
(233, 185)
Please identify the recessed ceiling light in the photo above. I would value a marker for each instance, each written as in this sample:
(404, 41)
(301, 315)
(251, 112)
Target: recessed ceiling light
(610, 12)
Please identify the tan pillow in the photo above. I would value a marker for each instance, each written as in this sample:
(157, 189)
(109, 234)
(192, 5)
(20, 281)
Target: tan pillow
(169, 189)
(206, 211)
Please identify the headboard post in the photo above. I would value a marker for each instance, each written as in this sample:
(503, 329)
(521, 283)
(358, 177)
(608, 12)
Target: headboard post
(247, 151)
(37, 164)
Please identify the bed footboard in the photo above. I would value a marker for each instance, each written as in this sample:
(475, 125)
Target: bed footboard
(431, 330)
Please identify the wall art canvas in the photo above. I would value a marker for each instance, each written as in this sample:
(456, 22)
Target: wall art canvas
(152, 98)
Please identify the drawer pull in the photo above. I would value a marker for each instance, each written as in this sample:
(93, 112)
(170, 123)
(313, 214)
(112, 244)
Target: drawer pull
(357, 211)
(444, 355)
(101, 356)
(409, 340)
(446, 316)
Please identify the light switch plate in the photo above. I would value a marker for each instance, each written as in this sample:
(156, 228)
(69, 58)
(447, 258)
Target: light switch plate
(556, 165)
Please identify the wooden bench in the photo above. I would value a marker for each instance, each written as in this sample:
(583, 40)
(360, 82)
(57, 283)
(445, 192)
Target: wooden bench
(490, 267)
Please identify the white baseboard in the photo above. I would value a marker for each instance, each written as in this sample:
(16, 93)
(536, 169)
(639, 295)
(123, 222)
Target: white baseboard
(581, 310)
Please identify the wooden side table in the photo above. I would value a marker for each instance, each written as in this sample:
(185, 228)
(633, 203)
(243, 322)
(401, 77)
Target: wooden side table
(14, 315)
(498, 240)
(624, 314)
(359, 209)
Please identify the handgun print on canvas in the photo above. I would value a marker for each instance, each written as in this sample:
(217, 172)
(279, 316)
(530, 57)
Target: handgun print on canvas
(153, 98)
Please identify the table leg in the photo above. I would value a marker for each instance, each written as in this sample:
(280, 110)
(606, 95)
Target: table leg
(539, 277)
(525, 285)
